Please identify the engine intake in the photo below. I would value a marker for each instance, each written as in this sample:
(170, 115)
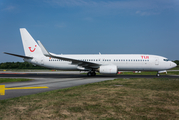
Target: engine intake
(108, 69)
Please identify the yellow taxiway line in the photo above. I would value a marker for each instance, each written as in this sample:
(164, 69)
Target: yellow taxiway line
(2, 88)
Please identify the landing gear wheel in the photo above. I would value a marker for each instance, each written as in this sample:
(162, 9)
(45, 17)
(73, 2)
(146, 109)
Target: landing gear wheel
(89, 74)
(157, 74)
(93, 74)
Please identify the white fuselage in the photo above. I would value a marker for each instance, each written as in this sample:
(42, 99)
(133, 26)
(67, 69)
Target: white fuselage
(124, 62)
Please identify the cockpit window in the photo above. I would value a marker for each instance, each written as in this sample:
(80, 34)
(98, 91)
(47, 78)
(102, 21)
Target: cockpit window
(166, 59)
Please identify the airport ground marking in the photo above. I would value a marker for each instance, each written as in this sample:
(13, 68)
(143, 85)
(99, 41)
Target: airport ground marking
(2, 88)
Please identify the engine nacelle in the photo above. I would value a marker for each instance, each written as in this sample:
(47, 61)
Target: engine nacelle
(108, 69)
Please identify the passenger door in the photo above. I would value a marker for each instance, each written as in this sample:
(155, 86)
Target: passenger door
(156, 61)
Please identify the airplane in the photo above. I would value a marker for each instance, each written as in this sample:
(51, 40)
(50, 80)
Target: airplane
(102, 63)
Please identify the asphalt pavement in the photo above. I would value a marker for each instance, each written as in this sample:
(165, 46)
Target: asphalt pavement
(57, 81)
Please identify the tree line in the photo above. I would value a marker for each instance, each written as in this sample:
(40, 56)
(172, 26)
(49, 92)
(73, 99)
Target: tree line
(26, 65)
(177, 62)
(19, 65)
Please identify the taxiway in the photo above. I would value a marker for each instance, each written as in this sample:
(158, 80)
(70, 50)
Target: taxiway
(57, 81)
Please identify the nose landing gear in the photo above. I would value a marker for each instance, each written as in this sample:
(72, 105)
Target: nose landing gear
(158, 75)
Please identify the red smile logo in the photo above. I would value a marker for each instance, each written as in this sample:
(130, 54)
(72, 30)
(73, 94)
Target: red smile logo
(33, 49)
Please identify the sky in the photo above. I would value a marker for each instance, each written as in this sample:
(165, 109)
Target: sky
(91, 26)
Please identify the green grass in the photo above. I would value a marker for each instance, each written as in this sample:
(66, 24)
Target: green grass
(175, 68)
(173, 73)
(138, 99)
(7, 80)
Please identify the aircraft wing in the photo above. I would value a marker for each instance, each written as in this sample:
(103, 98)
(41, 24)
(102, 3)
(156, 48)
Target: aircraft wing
(85, 64)
(18, 55)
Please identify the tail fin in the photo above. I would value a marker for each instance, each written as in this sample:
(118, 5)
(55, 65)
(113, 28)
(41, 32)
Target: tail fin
(31, 48)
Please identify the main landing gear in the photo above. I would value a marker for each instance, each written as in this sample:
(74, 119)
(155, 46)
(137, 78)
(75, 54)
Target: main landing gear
(91, 73)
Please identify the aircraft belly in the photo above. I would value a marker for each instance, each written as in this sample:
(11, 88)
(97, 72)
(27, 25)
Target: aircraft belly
(62, 66)
(134, 67)
(66, 67)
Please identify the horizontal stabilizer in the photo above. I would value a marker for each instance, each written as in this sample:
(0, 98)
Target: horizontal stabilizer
(18, 55)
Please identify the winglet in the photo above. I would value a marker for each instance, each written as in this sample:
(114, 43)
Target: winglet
(44, 51)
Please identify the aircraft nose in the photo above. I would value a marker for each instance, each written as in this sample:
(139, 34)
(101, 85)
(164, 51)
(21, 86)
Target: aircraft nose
(173, 64)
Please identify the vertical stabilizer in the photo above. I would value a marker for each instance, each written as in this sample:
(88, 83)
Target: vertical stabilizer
(31, 48)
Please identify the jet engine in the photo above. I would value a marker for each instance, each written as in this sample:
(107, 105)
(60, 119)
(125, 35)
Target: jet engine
(108, 69)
